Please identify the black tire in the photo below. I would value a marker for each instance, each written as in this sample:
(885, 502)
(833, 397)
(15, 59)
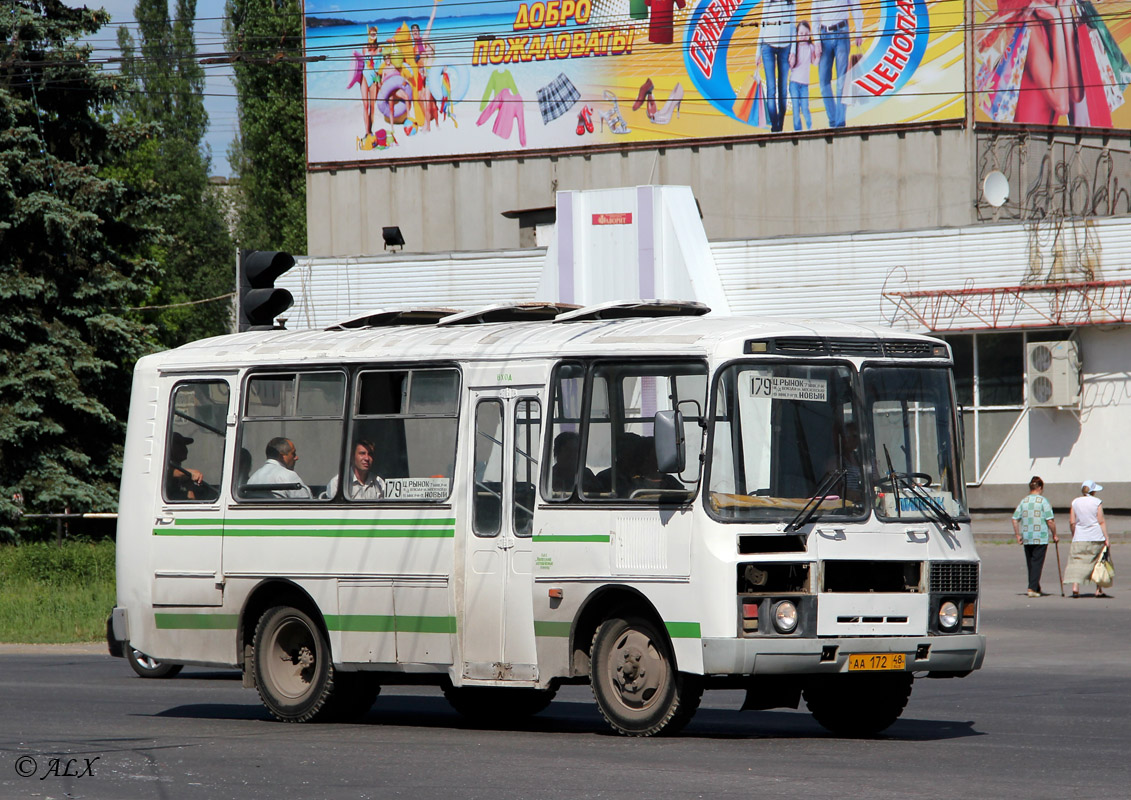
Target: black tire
(147, 667)
(635, 681)
(488, 705)
(353, 696)
(293, 671)
(858, 705)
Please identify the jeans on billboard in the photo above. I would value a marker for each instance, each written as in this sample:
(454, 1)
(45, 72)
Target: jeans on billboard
(800, 94)
(775, 61)
(834, 46)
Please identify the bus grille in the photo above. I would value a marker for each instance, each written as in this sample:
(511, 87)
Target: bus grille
(954, 577)
(850, 346)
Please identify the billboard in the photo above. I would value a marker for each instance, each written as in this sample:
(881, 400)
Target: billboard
(439, 78)
(1038, 62)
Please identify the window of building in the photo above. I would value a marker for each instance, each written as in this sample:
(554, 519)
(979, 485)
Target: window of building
(989, 381)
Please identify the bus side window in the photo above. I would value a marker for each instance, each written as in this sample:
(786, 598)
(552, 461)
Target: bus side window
(487, 503)
(194, 447)
(527, 438)
(291, 436)
(411, 416)
(564, 443)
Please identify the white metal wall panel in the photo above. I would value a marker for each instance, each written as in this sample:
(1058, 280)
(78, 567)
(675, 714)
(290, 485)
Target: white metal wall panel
(329, 290)
(845, 277)
(816, 277)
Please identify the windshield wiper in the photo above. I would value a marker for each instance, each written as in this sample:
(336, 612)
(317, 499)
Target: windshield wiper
(813, 503)
(935, 506)
(919, 493)
(893, 481)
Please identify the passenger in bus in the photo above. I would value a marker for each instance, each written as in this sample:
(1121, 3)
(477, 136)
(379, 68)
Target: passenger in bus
(363, 484)
(645, 471)
(181, 482)
(277, 475)
(563, 475)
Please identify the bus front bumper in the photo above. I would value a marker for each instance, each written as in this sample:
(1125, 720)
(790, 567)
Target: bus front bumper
(941, 656)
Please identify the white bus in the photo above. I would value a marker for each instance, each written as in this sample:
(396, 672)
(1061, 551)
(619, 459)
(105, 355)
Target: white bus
(630, 495)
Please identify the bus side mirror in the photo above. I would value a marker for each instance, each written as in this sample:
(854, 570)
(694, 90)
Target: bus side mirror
(671, 452)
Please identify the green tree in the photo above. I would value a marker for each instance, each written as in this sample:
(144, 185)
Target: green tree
(268, 155)
(164, 86)
(73, 258)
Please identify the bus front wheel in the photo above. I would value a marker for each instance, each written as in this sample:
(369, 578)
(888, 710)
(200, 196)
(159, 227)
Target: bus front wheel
(858, 705)
(292, 666)
(634, 679)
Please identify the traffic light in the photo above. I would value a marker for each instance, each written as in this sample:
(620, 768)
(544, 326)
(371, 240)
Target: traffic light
(259, 301)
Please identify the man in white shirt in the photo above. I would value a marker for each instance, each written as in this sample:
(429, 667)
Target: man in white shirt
(278, 472)
(830, 23)
(362, 484)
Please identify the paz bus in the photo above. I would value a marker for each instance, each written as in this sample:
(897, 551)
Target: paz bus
(633, 495)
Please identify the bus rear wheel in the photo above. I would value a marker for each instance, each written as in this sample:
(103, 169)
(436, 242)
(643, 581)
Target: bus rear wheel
(858, 705)
(293, 673)
(634, 678)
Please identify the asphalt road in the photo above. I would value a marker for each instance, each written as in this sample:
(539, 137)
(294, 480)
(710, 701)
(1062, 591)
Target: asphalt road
(1047, 717)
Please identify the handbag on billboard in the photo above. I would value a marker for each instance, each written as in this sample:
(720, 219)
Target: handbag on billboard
(744, 100)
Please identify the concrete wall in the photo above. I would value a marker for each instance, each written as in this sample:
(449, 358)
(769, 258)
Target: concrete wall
(875, 181)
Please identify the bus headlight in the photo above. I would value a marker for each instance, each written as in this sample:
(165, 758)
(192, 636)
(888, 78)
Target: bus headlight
(785, 616)
(948, 615)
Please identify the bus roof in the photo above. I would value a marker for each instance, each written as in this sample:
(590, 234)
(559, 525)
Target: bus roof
(668, 335)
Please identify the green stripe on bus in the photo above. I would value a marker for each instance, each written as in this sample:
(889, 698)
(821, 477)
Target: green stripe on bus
(683, 630)
(337, 533)
(387, 623)
(196, 622)
(257, 522)
(576, 537)
(558, 629)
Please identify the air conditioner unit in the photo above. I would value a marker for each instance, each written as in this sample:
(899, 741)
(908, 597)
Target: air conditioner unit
(1053, 373)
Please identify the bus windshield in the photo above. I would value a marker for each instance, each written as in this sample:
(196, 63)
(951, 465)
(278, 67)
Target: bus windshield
(790, 438)
(786, 436)
(917, 463)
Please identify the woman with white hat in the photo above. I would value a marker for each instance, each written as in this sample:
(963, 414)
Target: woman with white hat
(1089, 537)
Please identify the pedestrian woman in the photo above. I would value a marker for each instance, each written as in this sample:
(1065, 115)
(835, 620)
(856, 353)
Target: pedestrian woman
(1089, 537)
(1032, 524)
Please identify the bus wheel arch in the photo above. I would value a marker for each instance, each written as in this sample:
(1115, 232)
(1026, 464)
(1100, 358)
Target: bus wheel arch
(602, 604)
(261, 599)
(632, 666)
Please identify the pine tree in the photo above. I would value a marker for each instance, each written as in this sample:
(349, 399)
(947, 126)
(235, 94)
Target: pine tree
(73, 246)
(269, 156)
(164, 88)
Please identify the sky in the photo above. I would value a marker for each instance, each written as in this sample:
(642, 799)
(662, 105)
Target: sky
(219, 93)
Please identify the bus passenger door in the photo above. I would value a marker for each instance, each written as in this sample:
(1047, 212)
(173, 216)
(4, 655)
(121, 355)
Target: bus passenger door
(497, 630)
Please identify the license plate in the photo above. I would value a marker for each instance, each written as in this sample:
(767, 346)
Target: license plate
(876, 662)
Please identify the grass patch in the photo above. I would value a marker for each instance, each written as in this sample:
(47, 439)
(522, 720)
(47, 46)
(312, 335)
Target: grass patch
(54, 595)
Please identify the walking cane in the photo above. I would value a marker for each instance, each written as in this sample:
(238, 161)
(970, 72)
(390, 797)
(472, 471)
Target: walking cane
(1059, 572)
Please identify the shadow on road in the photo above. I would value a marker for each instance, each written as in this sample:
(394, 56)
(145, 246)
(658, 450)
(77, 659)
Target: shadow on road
(583, 718)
